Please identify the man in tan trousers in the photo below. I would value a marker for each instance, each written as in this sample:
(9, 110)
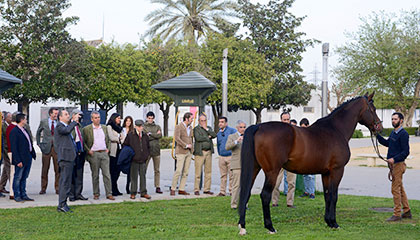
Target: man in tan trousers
(203, 150)
(291, 178)
(234, 143)
(183, 138)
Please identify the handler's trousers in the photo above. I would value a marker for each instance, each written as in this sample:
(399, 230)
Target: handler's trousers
(291, 179)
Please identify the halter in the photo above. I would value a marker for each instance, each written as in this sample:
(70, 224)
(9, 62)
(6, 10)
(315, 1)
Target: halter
(376, 144)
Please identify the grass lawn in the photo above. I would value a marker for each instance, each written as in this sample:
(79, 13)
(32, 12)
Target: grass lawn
(209, 218)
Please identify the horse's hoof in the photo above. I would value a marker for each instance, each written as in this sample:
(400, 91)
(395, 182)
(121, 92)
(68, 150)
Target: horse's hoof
(271, 232)
(242, 231)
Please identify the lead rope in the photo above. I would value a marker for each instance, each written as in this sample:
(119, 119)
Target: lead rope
(390, 165)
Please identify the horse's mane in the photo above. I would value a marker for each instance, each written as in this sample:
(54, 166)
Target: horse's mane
(343, 105)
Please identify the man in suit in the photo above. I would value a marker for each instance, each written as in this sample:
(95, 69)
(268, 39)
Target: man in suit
(234, 144)
(23, 152)
(66, 153)
(97, 145)
(44, 139)
(184, 138)
(77, 178)
(6, 160)
(203, 150)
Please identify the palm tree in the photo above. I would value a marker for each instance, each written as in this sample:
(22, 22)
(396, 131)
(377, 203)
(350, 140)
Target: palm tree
(189, 19)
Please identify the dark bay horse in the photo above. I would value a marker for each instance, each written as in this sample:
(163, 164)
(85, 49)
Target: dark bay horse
(321, 148)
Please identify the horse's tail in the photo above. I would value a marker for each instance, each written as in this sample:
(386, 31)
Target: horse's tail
(247, 170)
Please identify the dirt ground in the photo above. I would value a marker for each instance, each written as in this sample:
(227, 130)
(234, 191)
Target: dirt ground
(413, 163)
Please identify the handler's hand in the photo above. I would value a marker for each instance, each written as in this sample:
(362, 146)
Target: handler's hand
(391, 160)
(20, 165)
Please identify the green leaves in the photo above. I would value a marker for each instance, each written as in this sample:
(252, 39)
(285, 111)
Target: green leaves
(384, 55)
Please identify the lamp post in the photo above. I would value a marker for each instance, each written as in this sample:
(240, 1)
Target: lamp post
(224, 82)
(325, 50)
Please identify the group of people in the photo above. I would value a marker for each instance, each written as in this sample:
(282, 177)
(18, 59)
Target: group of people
(114, 148)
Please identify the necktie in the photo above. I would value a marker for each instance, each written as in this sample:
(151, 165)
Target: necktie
(80, 138)
(52, 128)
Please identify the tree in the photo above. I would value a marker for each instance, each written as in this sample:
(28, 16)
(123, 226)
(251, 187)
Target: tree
(273, 31)
(171, 59)
(249, 74)
(34, 46)
(384, 54)
(118, 74)
(190, 19)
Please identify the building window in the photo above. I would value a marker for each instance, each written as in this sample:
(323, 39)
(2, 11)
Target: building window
(308, 109)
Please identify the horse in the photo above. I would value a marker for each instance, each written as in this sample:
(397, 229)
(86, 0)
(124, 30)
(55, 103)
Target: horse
(321, 148)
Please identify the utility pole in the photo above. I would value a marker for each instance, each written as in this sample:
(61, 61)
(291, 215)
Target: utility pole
(325, 50)
(225, 82)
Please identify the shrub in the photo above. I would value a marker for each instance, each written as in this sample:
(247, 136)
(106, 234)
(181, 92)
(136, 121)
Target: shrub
(410, 130)
(165, 142)
(357, 134)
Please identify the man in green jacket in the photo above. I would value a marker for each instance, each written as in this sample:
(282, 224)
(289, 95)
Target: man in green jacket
(154, 133)
(203, 150)
(97, 144)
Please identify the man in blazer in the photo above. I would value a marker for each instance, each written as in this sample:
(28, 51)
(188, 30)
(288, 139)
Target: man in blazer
(5, 176)
(23, 152)
(66, 152)
(44, 139)
(234, 143)
(184, 138)
(77, 178)
(97, 145)
(203, 150)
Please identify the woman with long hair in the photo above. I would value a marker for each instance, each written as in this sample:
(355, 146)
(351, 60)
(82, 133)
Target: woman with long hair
(128, 126)
(114, 133)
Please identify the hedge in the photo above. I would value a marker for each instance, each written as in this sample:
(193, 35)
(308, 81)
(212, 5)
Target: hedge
(165, 142)
(410, 130)
(357, 134)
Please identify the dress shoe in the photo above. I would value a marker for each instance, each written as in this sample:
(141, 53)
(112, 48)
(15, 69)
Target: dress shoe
(172, 193)
(291, 206)
(180, 192)
(96, 197)
(197, 193)
(11, 197)
(221, 195)
(64, 209)
(110, 197)
(407, 215)
(2, 195)
(208, 192)
(42, 192)
(72, 199)
(158, 190)
(133, 196)
(81, 197)
(147, 196)
(4, 191)
(26, 198)
(19, 199)
(394, 218)
(275, 205)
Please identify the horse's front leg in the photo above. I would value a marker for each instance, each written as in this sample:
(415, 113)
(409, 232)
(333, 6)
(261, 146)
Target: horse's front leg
(331, 182)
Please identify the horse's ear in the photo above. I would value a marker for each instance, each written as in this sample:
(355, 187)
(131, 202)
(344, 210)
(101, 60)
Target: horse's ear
(371, 96)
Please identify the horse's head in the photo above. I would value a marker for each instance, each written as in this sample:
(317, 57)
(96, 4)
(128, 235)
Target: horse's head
(368, 115)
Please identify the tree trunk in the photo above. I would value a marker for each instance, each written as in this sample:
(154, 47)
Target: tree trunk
(23, 107)
(257, 112)
(217, 112)
(410, 112)
(165, 111)
(120, 109)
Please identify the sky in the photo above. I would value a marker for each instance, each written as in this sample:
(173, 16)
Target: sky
(326, 20)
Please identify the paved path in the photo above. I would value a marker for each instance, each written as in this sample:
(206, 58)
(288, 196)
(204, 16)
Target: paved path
(356, 181)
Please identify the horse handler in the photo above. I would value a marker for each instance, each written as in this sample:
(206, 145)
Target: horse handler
(398, 150)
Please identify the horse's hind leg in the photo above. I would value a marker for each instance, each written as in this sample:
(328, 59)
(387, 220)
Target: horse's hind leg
(330, 183)
(266, 199)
